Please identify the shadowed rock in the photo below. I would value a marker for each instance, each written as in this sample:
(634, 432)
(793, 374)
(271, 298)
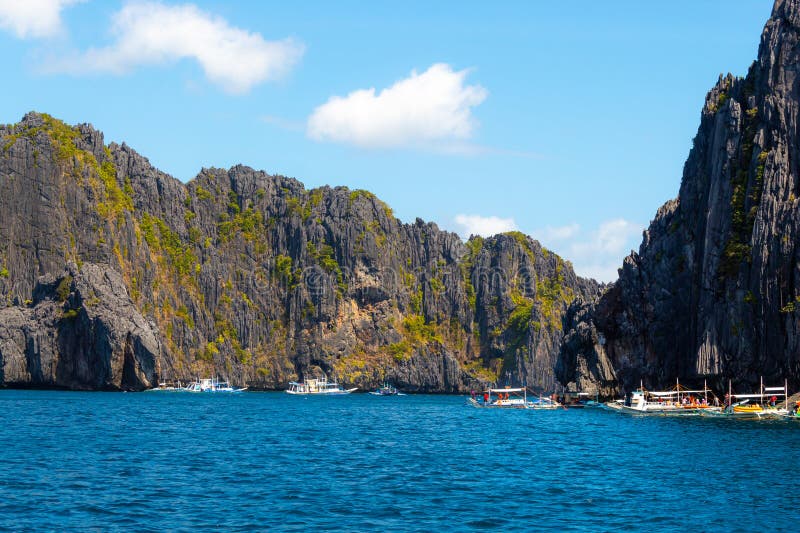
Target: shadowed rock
(81, 331)
(714, 291)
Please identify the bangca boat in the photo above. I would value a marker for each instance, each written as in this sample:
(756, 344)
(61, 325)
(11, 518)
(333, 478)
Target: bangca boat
(167, 386)
(318, 386)
(676, 402)
(508, 398)
(387, 390)
(212, 385)
(769, 402)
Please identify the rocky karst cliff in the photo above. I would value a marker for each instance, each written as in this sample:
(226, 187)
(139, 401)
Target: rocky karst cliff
(714, 291)
(252, 277)
(80, 330)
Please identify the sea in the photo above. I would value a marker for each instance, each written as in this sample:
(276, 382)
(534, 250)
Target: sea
(275, 462)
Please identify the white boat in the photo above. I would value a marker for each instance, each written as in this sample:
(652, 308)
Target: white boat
(387, 390)
(769, 402)
(508, 398)
(318, 386)
(543, 402)
(676, 402)
(212, 385)
(167, 387)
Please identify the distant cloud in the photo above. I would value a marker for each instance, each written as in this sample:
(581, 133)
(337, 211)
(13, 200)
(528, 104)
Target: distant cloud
(152, 33)
(600, 254)
(33, 18)
(560, 233)
(484, 226)
(610, 238)
(435, 106)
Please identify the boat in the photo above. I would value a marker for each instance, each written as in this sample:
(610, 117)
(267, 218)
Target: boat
(212, 385)
(543, 402)
(768, 402)
(676, 402)
(386, 390)
(167, 386)
(511, 398)
(578, 400)
(318, 386)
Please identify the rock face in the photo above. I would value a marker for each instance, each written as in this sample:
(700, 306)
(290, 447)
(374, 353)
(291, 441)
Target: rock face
(253, 278)
(714, 291)
(80, 331)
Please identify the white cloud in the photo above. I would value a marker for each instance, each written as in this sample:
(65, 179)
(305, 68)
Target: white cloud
(435, 106)
(560, 233)
(600, 254)
(152, 33)
(611, 237)
(484, 226)
(33, 18)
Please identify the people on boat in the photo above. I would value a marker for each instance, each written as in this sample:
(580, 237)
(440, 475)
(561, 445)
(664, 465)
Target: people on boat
(773, 400)
(486, 398)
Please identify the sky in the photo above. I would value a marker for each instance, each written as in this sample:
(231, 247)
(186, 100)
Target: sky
(568, 121)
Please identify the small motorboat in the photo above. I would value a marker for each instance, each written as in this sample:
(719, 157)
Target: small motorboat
(387, 390)
(511, 398)
(212, 385)
(318, 386)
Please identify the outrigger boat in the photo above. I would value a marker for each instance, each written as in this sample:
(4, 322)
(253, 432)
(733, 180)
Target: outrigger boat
(508, 398)
(764, 404)
(676, 402)
(387, 390)
(167, 386)
(212, 385)
(318, 386)
(543, 402)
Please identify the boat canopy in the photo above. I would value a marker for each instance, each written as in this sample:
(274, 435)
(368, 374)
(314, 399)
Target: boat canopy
(506, 390)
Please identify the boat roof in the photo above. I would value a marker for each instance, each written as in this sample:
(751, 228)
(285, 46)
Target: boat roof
(506, 390)
(757, 395)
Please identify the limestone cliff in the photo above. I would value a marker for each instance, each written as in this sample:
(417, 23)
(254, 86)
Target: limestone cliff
(81, 331)
(714, 291)
(254, 278)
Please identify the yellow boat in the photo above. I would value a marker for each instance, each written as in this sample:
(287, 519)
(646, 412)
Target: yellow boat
(749, 408)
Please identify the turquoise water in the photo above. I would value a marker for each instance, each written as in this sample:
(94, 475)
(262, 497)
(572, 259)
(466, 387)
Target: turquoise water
(156, 461)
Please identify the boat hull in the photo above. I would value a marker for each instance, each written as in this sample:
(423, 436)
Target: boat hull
(662, 411)
(321, 393)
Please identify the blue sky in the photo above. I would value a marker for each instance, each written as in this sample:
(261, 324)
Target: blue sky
(569, 121)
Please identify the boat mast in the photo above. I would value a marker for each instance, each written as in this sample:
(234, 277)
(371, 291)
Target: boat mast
(762, 391)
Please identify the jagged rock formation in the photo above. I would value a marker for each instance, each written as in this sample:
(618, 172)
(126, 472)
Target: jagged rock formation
(257, 279)
(714, 292)
(81, 331)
